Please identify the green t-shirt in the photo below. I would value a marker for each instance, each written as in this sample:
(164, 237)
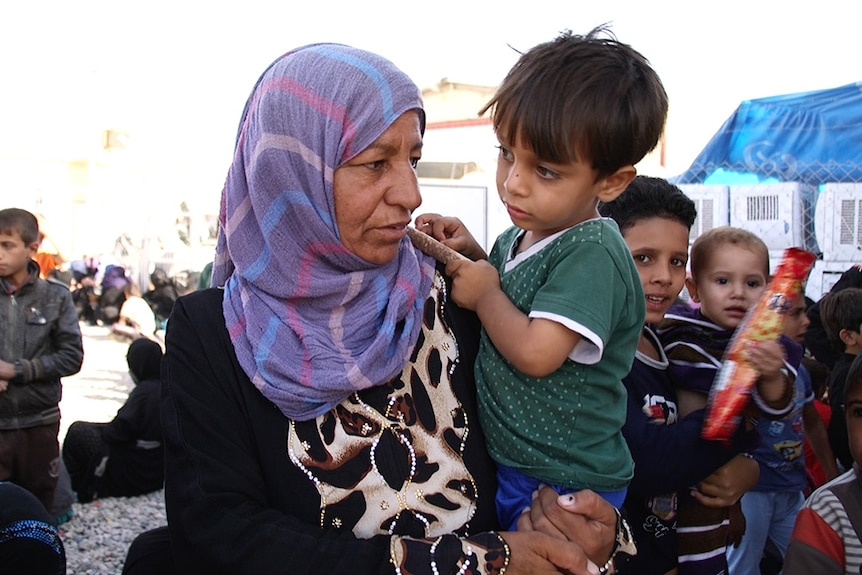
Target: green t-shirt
(565, 428)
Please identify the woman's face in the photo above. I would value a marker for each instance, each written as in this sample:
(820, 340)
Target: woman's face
(377, 191)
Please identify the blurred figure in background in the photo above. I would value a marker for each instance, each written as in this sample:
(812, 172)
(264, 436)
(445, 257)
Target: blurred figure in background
(136, 316)
(112, 295)
(125, 456)
(161, 297)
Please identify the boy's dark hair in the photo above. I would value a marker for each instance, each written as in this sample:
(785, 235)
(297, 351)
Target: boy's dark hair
(22, 222)
(841, 310)
(582, 98)
(646, 198)
(712, 240)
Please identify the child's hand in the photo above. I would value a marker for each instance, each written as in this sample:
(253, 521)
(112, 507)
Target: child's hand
(768, 358)
(772, 385)
(471, 281)
(451, 232)
(728, 483)
(3, 385)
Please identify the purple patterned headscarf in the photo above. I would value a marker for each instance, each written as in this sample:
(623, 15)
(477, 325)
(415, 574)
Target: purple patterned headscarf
(311, 322)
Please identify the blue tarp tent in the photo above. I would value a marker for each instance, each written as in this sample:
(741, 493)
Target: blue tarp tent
(811, 137)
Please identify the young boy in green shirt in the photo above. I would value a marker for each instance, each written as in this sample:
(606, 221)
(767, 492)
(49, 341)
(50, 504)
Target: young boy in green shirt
(559, 297)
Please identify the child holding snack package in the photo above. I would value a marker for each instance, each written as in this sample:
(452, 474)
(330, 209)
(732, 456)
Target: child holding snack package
(559, 296)
(729, 273)
(670, 453)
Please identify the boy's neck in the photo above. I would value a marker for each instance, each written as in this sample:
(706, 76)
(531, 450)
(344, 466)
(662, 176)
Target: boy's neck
(13, 282)
(853, 349)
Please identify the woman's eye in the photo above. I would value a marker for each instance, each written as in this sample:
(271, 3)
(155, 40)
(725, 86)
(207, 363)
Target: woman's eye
(641, 259)
(414, 162)
(375, 165)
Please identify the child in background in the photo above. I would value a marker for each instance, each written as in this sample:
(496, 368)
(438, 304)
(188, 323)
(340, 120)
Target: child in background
(841, 313)
(559, 297)
(825, 537)
(655, 217)
(729, 272)
(41, 343)
(770, 508)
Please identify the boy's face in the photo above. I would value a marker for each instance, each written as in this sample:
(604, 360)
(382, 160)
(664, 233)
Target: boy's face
(14, 256)
(729, 284)
(659, 247)
(796, 321)
(853, 414)
(545, 198)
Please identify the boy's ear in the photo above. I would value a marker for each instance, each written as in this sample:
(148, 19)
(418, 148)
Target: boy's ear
(848, 337)
(691, 286)
(613, 185)
(33, 249)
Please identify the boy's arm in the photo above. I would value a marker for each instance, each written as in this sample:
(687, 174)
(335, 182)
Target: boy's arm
(536, 347)
(68, 348)
(815, 433)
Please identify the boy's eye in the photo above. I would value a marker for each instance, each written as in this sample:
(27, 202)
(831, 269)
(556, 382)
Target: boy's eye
(505, 153)
(721, 281)
(678, 263)
(753, 283)
(547, 173)
(414, 162)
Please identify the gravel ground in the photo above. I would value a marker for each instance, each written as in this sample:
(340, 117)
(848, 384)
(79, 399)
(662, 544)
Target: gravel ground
(98, 535)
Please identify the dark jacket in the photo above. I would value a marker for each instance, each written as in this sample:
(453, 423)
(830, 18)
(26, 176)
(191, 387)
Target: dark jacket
(39, 328)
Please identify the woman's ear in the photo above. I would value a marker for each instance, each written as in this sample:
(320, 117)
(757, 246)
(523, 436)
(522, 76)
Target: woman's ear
(613, 185)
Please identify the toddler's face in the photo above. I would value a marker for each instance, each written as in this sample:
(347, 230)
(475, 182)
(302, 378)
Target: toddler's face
(729, 284)
(543, 197)
(659, 247)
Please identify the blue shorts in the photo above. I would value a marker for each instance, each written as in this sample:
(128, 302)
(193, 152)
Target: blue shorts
(515, 493)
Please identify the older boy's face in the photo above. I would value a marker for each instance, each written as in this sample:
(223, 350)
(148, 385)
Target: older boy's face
(14, 256)
(729, 284)
(853, 413)
(659, 247)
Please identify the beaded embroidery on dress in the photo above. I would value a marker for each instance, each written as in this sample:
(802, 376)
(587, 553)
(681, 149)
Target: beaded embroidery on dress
(376, 459)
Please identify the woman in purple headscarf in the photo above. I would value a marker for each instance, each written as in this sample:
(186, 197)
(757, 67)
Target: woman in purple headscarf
(318, 409)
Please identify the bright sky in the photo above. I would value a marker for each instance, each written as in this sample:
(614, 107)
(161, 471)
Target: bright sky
(176, 73)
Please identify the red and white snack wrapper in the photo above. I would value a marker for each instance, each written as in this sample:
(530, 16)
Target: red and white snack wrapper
(764, 322)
